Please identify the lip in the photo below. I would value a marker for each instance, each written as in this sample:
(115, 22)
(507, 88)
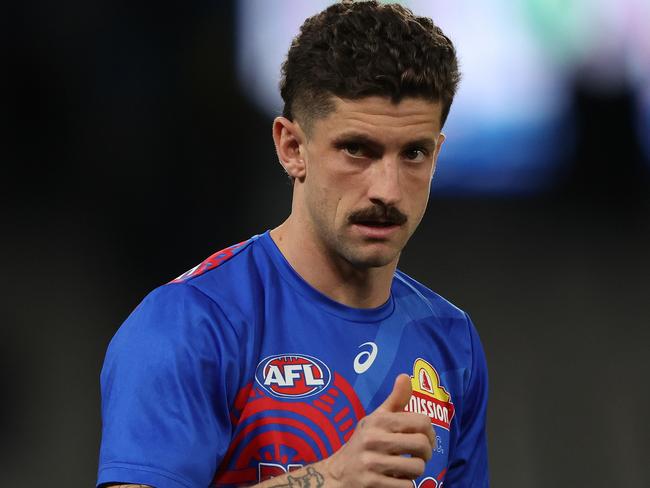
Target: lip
(376, 232)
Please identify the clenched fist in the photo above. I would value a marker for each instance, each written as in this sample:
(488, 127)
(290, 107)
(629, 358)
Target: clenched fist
(389, 447)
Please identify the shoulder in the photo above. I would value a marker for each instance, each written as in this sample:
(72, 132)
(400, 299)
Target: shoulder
(435, 315)
(172, 316)
(407, 288)
(450, 324)
(230, 275)
(228, 259)
(212, 297)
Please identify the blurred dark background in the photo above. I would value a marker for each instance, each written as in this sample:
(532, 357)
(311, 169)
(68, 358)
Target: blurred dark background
(131, 153)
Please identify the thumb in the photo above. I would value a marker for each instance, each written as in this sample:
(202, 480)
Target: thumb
(400, 395)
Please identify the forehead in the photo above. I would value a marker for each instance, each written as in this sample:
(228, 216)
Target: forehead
(379, 116)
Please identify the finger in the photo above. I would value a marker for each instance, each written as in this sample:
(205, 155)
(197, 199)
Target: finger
(395, 466)
(416, 445)
(415, 423)
(377, 480)
(399, 397)
(406, 423)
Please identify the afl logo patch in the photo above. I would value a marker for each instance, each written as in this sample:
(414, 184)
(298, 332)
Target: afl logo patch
(292, 375)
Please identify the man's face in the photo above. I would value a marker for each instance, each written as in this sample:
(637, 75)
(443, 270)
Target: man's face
(369, 166)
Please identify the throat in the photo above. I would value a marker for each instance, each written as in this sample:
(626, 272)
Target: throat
(356, 296)
(334, 277)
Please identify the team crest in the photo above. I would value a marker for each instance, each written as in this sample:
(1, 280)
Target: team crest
(429, 396)
(292, 375)
(275, 434)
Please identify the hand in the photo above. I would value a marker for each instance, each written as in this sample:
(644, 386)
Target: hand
(375, 454)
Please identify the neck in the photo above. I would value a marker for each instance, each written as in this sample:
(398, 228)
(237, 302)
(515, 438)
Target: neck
(331, 275)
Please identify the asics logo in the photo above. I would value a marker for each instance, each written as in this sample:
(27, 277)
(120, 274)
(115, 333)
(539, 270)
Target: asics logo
(364, 359)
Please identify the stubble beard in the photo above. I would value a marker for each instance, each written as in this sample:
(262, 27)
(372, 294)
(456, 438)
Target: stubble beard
(341, 246)
(360, 257)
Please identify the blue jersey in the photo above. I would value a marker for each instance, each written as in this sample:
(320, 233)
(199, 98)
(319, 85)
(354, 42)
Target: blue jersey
(239, 371)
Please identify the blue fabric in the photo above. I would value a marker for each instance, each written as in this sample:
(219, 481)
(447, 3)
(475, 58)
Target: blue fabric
(239, 370)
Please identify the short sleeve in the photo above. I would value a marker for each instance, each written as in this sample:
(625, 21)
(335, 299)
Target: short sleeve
(468, 464)
(166, 386)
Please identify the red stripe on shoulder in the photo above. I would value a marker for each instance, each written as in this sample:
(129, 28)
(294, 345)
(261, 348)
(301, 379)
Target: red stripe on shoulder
(212, 262)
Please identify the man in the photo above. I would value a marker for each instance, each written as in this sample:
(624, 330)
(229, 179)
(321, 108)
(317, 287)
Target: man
(302, 357)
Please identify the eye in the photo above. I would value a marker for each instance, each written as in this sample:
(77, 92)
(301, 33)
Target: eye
(353, 149)
(416, 155)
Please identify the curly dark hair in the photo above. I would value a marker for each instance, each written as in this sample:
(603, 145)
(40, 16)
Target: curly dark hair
(358, 49)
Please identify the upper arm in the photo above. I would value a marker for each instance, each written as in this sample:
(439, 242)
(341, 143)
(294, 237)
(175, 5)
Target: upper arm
(165, 392)
(468, 464)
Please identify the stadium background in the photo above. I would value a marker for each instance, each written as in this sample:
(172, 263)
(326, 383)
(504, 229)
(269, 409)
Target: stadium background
(133, 150)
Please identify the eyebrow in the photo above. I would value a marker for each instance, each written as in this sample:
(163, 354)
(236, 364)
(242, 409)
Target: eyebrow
(425, 142)
(355, 137)
(359, 138)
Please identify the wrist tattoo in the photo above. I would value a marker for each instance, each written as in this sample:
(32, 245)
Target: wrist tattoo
(313, 479)
(126, 486)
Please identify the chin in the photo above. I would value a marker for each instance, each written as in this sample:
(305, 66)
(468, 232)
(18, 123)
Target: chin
(364, 255)
(371, 260)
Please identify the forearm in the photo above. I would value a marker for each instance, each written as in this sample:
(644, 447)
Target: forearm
(313, 476)
(301, 476)
(126, 486)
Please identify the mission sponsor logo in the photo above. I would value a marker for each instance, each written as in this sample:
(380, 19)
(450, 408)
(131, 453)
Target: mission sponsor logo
(292, 375)
(429, 396)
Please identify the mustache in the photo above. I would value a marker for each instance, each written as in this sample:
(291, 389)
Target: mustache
(378, 213)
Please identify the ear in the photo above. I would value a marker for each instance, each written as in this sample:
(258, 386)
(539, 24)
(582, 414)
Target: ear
(289, 140)
(439, 142)
(436, 153)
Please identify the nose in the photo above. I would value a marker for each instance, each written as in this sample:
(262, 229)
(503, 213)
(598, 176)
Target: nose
(385, 186)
